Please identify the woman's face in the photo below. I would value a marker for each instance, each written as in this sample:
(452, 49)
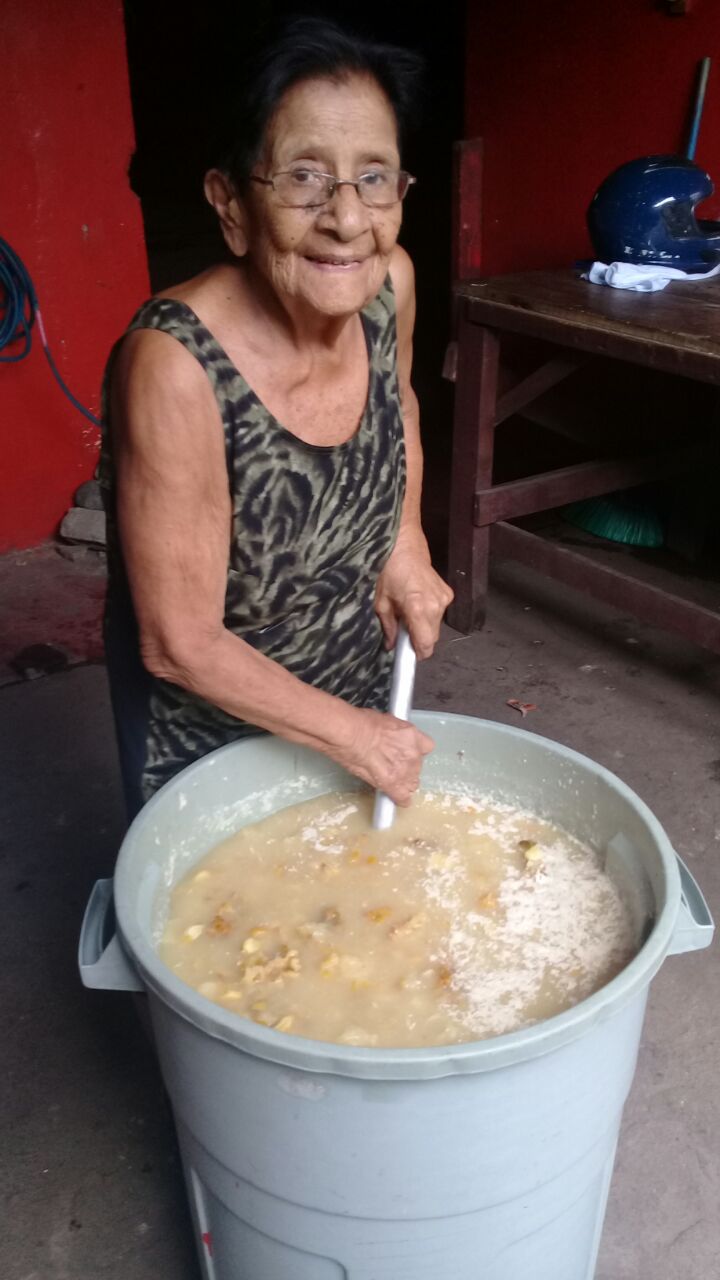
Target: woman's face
(333, 258)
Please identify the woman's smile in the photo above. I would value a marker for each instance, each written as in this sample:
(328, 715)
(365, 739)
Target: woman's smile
(329, 263)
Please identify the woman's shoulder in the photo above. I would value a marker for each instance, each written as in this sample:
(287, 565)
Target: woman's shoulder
(172, 313)
(395, 301)
(401, 273)
(178, 303)
(199, 290)
(165, 350)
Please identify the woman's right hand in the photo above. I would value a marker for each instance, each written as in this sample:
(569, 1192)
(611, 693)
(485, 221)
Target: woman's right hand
(387, 753)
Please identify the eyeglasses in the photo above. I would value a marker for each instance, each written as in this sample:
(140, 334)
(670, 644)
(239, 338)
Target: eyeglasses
(306, 188)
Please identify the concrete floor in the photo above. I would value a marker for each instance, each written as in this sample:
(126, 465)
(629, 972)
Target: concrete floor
(89, 1171)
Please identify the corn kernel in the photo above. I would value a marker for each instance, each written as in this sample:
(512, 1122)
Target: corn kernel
(191, 934)
(371, 860)
(378, 914)
(202, 875)
(409, 925)
(533, 855)
(487, 902)
(250, 945)
(284, 1024)
(329, 964)
(220, 925)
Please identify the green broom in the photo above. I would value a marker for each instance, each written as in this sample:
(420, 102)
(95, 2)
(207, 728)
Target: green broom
(631, 518)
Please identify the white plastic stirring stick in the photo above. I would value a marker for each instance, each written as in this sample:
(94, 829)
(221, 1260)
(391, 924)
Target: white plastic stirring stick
(401, 693)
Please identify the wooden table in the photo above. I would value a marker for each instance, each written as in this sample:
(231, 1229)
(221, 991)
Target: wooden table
(675, 331)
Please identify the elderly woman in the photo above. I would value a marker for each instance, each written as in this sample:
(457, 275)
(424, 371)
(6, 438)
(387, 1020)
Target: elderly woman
(262, 461)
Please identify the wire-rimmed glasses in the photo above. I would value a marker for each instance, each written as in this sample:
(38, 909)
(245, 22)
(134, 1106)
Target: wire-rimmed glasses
(308, 188)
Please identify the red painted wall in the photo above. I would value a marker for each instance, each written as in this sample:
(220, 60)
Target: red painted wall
(564, 91)
(67, 209)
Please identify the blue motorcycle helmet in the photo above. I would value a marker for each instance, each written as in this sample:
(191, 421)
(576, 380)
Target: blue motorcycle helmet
(644, 212)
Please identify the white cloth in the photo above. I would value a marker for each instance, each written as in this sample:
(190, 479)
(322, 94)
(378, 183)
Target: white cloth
(639, 276)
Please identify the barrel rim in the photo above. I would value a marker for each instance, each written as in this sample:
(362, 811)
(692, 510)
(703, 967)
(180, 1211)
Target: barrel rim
(406, 1064)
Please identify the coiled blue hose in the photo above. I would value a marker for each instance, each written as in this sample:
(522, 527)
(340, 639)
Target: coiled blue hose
(20, 310)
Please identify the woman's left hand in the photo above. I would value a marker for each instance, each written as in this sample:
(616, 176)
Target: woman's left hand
(410, 590)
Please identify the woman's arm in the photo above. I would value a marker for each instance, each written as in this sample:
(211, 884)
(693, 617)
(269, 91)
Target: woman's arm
(408, 586)
(174, 518)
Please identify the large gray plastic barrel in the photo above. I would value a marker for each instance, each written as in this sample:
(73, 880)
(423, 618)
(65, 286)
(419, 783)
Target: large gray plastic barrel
(313, 1161)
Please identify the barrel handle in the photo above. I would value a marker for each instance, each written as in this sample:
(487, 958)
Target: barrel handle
(694, 927)
(104, 966)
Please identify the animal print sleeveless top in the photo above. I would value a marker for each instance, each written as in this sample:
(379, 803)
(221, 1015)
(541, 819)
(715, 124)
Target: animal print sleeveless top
(312, 527)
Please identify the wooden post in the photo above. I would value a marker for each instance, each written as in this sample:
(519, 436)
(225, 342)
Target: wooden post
(472, 464)
(466, 229)
(467, 209)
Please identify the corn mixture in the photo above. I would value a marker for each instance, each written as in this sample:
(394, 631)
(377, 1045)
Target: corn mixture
(466, 920)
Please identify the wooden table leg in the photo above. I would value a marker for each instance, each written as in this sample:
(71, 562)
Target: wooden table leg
(472, 462)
